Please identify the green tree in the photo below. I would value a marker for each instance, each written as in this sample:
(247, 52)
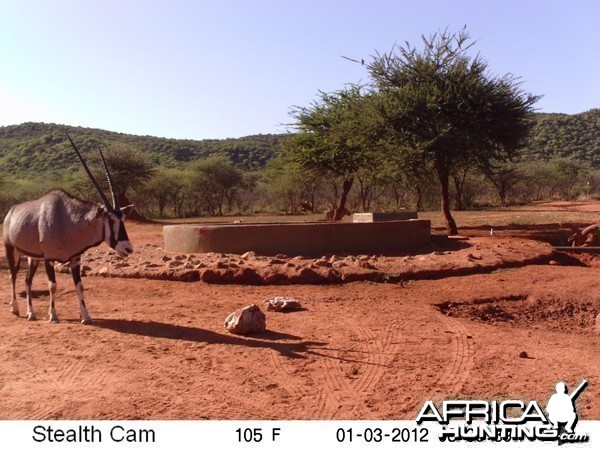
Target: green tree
(504, 177)
(215, 182)
(335, 138)
(288, 185)
(129, 168)
(441, 106)
(166, 187)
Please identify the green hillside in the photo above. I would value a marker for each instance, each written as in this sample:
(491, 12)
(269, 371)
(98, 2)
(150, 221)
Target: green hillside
(566, 136)
(43, 148)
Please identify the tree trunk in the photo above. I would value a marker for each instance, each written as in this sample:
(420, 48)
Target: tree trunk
(444, 183)
(339, 212)
(502, 195)
(419, 203)
(459, 186)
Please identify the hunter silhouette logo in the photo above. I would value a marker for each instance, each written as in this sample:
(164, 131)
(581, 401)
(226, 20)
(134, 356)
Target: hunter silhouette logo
(561, 408)
(508, 420)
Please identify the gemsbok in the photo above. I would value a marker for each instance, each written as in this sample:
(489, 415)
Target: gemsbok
(60, 227)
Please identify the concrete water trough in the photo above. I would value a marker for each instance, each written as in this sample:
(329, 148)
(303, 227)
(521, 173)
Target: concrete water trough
(306, 238)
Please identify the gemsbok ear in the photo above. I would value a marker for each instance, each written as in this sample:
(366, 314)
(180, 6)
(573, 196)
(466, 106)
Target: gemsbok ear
(102, 212)
(127, 209)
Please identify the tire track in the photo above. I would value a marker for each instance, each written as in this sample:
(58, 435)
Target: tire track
(382, 354)
(349, 375)
(452, 380)
(379, 351)
(286, 379)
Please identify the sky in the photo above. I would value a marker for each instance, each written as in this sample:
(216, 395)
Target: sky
(229, 68)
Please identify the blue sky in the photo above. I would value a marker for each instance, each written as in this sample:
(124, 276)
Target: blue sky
(230, 68)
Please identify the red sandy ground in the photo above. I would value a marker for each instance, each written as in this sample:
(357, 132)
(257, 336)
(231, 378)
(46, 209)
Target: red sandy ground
(359, 350)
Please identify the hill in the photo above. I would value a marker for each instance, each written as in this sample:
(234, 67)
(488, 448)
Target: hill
(566, 136)
(43, 148)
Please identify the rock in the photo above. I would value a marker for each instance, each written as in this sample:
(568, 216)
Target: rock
(179, 257)
(523, 355)
(166, 258)
(276, 260)
(281, 256)
(248, 255)
(306, 276)
(247, 320)
(62, 268)
(244, 275)
(365, 265)
(222, 264)
(552, 262)
(322, 263)
(103, 271)
(271, 276)
(363, 258)
(282, 304)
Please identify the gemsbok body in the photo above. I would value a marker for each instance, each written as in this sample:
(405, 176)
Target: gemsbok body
(60, 227)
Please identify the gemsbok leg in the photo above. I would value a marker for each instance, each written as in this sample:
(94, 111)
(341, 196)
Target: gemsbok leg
(32, 265)
(75, 271)
(49, 265)
(14, 261)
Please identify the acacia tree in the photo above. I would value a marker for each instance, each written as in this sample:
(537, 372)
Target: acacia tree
(442, 107)
(335, 138)
(504, 177)
(129, 167)
(291, 185)
(215, 181)
(167, 186)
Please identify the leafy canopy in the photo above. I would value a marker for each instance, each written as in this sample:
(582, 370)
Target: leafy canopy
(335, 133)
(442, 108)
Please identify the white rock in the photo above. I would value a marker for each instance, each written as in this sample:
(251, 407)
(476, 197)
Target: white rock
(282, 304)
(249, 319)
(248, 255)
